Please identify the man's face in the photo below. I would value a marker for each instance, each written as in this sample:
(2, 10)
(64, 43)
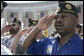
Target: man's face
(64, 23)
(14, 28)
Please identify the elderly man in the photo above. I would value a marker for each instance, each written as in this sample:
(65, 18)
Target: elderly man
(69, 43)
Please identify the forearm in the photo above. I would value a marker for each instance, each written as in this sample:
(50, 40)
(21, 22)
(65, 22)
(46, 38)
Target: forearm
(30, 38)
(15, 43)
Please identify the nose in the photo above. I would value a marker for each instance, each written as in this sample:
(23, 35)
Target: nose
(59, 19)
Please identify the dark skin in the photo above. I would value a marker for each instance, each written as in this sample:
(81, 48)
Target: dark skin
(65, 32)
(65, 24)
(43, 24)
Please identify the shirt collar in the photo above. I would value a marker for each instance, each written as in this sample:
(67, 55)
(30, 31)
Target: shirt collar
(71, 40)
(74, 38)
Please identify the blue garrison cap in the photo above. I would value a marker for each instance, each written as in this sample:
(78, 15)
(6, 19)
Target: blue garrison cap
(67, 7)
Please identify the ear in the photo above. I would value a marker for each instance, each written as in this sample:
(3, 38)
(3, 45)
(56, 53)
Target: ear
(77, 21)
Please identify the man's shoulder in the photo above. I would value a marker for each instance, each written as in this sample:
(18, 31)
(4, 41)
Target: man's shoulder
(78, 38)
(78, 42)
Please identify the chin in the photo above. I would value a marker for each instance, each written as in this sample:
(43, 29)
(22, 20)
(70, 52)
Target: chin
(60, 32)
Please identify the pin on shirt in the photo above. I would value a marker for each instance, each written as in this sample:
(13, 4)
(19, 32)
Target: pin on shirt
(49, 49)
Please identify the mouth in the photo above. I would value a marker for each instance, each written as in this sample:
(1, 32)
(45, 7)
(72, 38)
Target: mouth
(59, 26)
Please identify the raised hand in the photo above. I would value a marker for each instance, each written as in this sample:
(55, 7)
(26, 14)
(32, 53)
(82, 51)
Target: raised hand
(5, 29)
(45, 22)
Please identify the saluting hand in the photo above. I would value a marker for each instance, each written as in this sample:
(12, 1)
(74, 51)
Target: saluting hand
(45, 22)
(5, 29)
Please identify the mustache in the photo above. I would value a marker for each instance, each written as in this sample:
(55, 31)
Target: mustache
(59, 23)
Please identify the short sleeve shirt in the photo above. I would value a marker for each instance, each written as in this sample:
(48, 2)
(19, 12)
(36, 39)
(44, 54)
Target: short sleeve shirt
(6, 41)
(74, 46)
(5, 51)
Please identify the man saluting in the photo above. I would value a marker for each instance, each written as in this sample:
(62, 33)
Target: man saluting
(69, 43)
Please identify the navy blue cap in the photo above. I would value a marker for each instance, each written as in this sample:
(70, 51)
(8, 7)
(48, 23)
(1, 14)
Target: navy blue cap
(17, 21)
(32, 22)
(67, 7)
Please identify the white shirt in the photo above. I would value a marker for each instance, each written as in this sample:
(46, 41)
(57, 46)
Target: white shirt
(5, 51)
(6, 41)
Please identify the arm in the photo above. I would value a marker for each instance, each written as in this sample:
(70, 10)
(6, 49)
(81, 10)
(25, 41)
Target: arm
(29, 40)
(44, 23)
(15, 42)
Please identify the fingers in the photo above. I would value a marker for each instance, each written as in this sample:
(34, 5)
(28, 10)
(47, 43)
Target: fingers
(52, 17)
(48, 18)
(49, 23)
(45, 17)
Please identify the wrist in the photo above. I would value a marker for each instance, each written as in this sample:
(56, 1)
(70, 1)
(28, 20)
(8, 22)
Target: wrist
(38, 28)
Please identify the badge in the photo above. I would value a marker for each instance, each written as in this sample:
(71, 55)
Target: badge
(68, 6)
(49, 49)
(34, 22)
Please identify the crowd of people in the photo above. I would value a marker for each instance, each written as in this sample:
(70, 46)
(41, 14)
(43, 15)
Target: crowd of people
(30, 41)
